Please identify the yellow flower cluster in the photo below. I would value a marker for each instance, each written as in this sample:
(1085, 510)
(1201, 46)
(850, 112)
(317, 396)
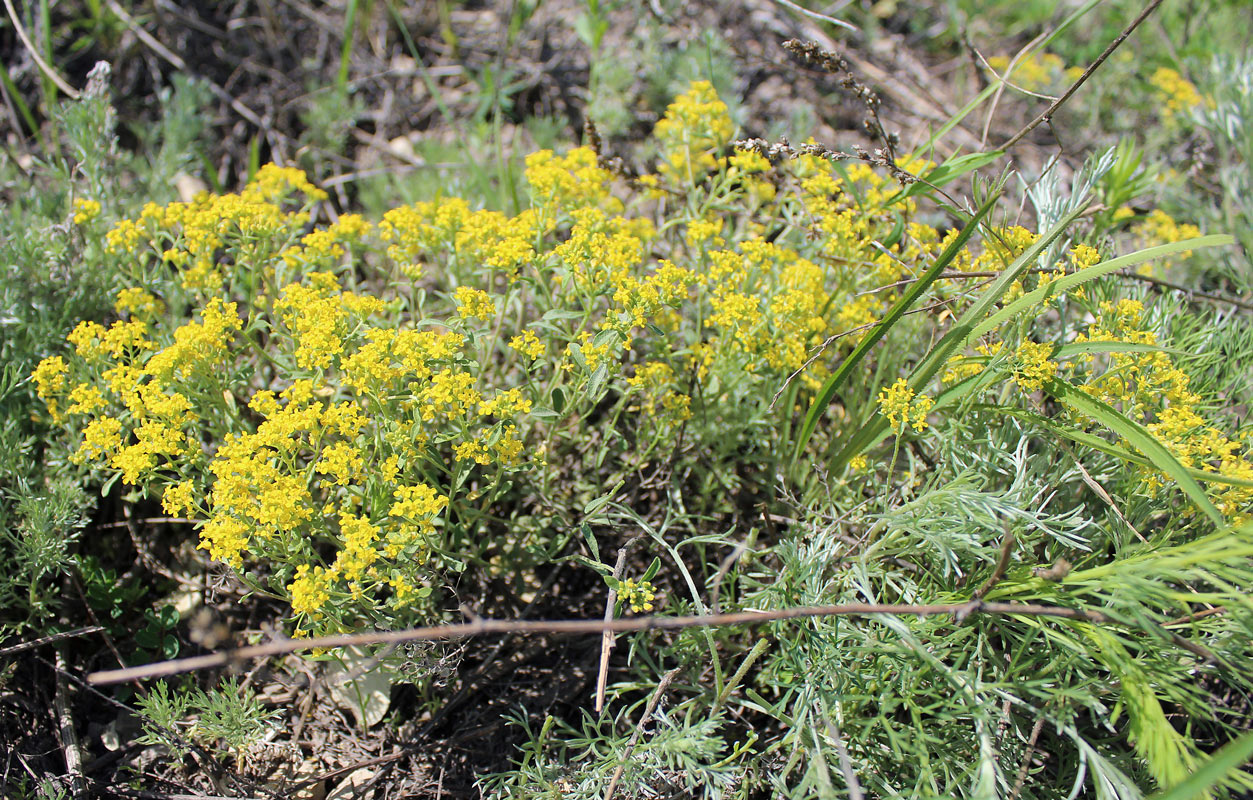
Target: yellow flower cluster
(1035, 72)
(656, 383)
(189, 236)
(328, 244)
(696, 125)
(1032, 366)
(1156, 228)
(639, 596)
(1176, 93)
(903, 408)
(570, 181)
(138, 303)
(85, 210)
(528, 344)
(474, 304)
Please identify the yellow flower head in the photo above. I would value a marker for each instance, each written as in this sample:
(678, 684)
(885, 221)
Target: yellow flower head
(902, 408)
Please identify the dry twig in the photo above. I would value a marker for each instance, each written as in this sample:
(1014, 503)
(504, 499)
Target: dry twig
(1047, 116)
(639, 729)
(482, 627)
(44, 66)
(607, 638)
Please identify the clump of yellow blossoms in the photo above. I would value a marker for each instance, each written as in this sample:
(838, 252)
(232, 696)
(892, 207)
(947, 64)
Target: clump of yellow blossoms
(1176, 93)
(638, 596)
(696, 124)
(1035, 72)
(348, 444)
(903, 408)
(1158, 227)
(1032, 366)
(85, 210)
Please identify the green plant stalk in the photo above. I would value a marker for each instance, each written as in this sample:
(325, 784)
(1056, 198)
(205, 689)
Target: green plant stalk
(345, 51)
(824, 397)
(956, 337)
(1143, 441)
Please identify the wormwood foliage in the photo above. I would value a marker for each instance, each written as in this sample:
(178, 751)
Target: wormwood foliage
(353, 415)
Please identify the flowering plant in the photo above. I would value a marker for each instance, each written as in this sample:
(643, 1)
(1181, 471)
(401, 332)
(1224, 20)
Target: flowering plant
(351, 414)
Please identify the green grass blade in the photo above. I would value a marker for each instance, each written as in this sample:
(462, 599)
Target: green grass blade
(833, 383)
(947, 172)
(1059, 286)
(18, 102)
(957, 336)
(345, 51)
(956, 119)
(1138, 438)
(1215, 771)
(1090, 348)
(1097, 443)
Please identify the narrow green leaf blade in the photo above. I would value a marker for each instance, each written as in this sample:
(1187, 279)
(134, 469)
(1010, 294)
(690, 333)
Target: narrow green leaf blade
(957, 336)
(1139, 438)
(1213, 772)
(948, 172)
(833, 383)
(1060, 286)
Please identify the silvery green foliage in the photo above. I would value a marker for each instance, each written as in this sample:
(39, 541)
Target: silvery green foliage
(1227, 115)
(1232, 108)
(1052, 201)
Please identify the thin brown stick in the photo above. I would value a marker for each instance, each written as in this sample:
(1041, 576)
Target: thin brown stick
(44, 66)
(1025, 766)
(1087, 73)
(1186, 290)
(145, 521)
(1000, 89)
(1189, 618)
(1007, 550)
(67, 733)
(483, 627)
(56, 637)
(607, 638)
(839, 23)
(639, 729)
(1095, 486)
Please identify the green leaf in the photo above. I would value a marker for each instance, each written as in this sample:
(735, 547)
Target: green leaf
(898, 230)
(1059, 286)
(1097, 443)
(948, 172)
(597, 381)
(1214, 772)
(961, 332)
(596, 505)
(590, 538)
(652, 570)
(603, 569)
(1138, 438)
(1087, 348)
(559, 399)
(819, 406)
